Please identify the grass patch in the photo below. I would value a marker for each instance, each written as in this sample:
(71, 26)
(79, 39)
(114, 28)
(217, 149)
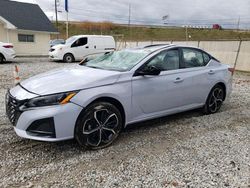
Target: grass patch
(149, 33)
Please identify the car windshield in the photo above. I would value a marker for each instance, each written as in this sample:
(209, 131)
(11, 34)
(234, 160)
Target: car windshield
(58, 42)
(70, 40)
(119, 60)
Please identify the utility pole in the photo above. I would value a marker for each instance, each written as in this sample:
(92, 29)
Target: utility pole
(56, 17)
(67, 26)
(129, 20)
(238, 24)
(186, 32)
(67, 21)
(129, 15)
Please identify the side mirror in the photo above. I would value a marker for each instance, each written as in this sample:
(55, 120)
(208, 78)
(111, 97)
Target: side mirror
(150, 70)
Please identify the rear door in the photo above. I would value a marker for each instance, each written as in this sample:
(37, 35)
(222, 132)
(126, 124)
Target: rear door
(194, 62)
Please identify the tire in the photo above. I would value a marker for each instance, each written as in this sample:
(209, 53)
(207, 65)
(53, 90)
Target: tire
(68, 58)
(2, 59)
(98, 126)
(214, 100)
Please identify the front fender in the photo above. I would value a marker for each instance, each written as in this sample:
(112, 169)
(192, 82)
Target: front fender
(121, 92)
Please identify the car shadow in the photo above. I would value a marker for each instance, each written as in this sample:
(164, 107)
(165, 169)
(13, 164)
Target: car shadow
(162, 120)
(7, 62)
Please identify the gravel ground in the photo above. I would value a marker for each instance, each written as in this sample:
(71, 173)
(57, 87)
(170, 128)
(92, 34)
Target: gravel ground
(184, 150)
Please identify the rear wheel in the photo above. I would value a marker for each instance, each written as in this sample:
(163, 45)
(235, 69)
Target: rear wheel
(214, 100)
(68, 58)
(2, 59)
(98, 126)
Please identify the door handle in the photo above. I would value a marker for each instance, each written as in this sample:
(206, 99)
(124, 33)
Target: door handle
(86, 47)
(211, 72)
(178, 80)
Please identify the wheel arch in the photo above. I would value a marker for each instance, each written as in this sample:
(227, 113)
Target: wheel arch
(2, 55)
(223, 85)
(116, 103)
(111, 100)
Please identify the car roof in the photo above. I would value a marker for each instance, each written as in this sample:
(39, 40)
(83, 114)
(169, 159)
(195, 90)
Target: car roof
(155, 47)
(103, 36)
(149, 48)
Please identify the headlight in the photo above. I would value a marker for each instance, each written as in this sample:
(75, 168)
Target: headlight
(56, 99)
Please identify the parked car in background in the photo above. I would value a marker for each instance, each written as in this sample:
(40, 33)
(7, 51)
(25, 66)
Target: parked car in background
(93, 101)
(56, 42)
(76, 47)
(7, 52)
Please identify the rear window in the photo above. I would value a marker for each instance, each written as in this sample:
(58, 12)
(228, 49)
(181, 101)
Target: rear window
(193, 58)
(206, 58)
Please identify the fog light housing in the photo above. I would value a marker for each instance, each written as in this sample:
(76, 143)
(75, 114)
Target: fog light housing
(42, 128)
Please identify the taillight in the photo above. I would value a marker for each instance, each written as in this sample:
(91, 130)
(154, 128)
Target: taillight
(8, 46)
(231, 70)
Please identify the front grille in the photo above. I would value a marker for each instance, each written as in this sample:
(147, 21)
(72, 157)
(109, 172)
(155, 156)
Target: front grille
(12, 108)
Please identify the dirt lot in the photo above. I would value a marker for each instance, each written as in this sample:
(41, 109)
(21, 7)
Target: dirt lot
(184, 150)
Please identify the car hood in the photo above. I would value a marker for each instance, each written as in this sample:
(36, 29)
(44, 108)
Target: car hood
(69, 79)
(57, 46)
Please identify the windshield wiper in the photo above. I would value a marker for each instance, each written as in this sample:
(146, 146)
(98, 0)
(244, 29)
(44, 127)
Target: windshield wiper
(94, 67)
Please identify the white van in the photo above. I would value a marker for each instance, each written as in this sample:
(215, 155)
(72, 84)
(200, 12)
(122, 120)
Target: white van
(77, 47)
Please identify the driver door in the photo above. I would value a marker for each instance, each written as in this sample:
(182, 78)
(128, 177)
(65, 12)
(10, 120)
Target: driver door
(80, 48)
(154, 94)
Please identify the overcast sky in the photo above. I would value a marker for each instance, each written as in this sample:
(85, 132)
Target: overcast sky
(180, 12)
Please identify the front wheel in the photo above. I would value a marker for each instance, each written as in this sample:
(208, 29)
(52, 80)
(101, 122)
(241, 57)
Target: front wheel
(68, 58)
(214, 100)
(98, 126)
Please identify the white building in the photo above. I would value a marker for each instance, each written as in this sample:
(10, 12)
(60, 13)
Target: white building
(25, 26)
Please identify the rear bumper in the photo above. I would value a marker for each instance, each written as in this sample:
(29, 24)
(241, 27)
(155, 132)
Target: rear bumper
(9, 57)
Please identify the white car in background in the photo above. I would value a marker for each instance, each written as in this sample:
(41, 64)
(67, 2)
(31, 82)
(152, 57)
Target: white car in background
(77, 47)
(7, 52)
(93, 101)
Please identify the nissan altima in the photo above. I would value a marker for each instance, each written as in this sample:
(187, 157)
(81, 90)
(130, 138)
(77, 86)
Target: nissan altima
(92, 102)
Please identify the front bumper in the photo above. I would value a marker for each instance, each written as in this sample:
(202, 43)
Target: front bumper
(63, 116)
(54, 56)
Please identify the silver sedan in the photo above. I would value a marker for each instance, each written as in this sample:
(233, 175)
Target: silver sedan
(93, 101)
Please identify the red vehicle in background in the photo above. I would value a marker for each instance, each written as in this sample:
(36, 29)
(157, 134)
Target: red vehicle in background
(217, 26)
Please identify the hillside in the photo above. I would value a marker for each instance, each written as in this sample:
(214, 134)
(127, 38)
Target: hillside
(135, 33)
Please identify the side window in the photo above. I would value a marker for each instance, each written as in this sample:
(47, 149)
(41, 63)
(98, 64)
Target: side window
(206, 58)
(166, 60)
(192, 58)
(80, 42)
